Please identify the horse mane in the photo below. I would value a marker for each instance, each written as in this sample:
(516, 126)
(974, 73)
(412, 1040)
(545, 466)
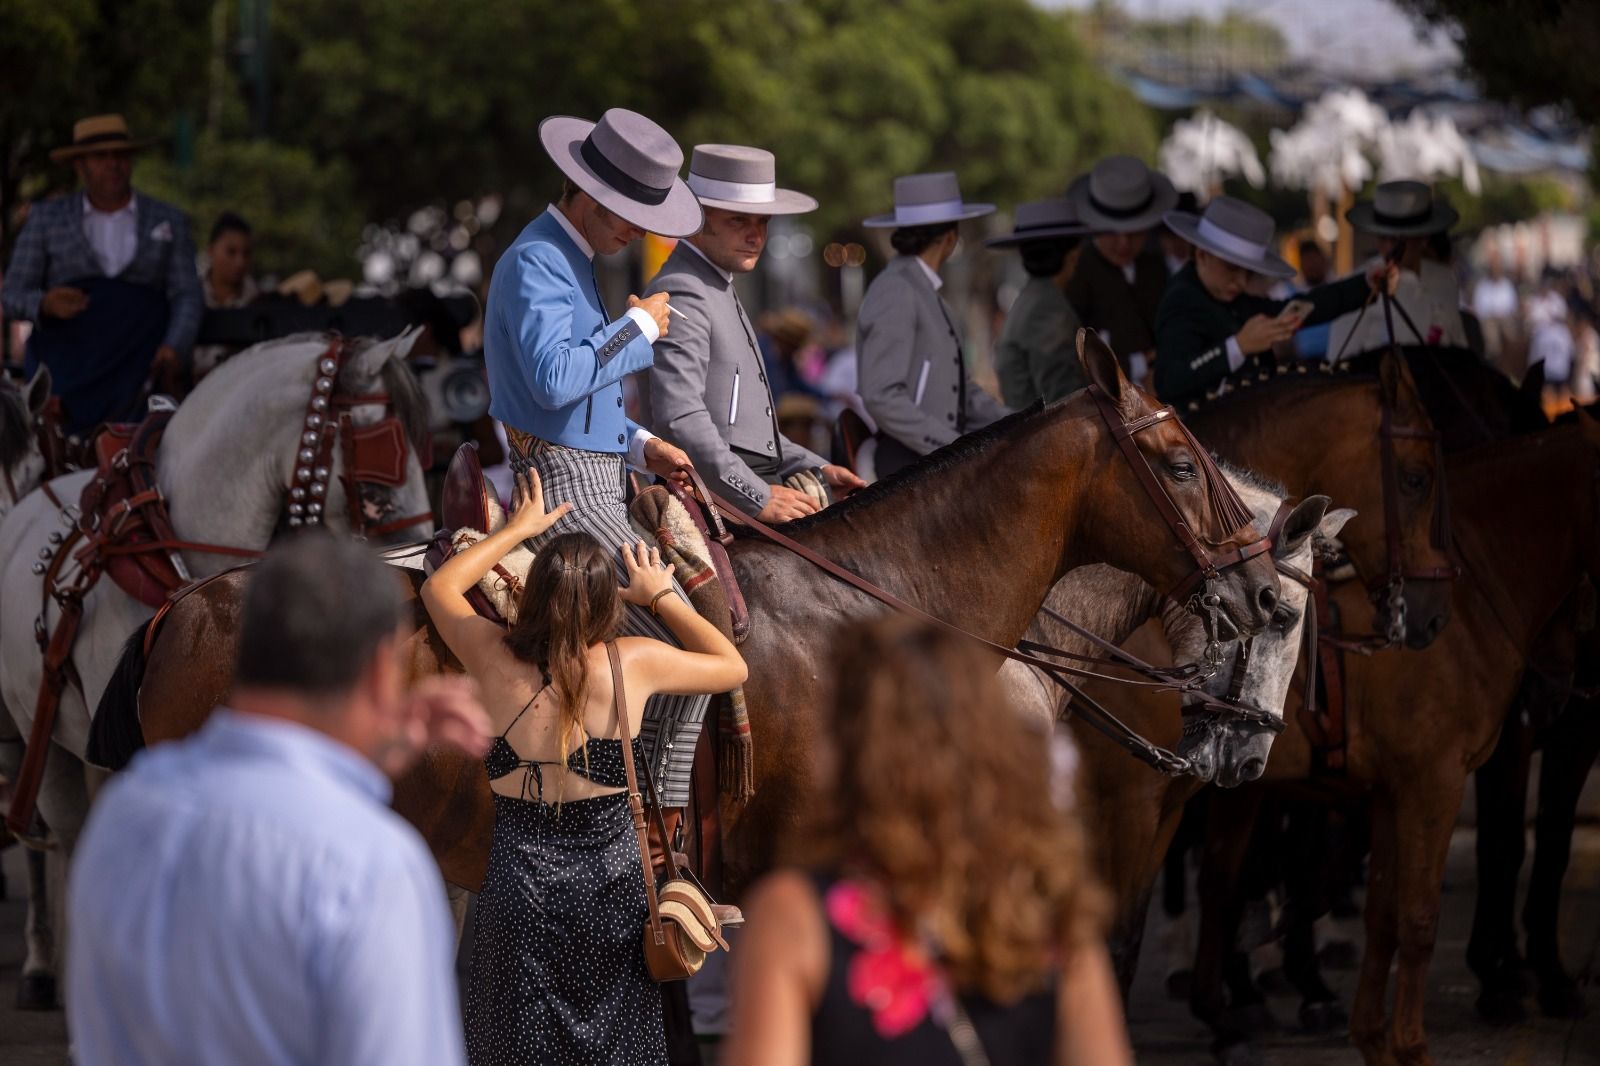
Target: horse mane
(16, 426)
(1250, 478)
(410, 405)
(1297, 374)
(925, 469)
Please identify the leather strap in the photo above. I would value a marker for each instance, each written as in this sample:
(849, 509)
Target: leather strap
(1090, 710)
(635, 799)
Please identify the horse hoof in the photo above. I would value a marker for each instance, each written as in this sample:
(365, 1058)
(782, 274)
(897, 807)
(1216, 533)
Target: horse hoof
(1561, 999)
(1501, 1005)
(1253, 1019)
(1323, 1016)
(37, 991)
(1238, 1053)
(1178, 985)
(1339, 955)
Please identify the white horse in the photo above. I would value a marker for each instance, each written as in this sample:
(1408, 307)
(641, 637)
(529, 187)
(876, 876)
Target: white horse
(226, 463)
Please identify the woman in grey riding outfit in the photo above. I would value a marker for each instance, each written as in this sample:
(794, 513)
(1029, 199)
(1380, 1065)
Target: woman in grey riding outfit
(556, 361)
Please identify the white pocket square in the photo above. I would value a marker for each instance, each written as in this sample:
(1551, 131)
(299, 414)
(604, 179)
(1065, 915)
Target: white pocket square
(162, 232)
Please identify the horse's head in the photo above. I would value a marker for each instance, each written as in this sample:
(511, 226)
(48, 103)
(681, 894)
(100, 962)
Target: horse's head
(381, 453)
(1159, 502)
(22, 464)
(1256, 674)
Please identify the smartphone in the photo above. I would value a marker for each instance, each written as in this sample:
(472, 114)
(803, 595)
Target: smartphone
(1297, 309)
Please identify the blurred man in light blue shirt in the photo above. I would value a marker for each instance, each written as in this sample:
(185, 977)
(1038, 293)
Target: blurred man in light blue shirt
(246, 896)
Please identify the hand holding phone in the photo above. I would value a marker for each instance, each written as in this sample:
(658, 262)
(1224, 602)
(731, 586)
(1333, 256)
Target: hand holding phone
(1297, 309)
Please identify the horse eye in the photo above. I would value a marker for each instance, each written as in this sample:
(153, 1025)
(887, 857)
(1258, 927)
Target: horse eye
(1283, 619)
(1414, 478)
(1182, 471)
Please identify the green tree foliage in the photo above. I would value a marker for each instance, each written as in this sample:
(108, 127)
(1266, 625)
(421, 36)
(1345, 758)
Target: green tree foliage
(381, 106)
(1540, 52)
(302, 211)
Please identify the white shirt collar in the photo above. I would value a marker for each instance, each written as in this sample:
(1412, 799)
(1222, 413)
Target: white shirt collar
(572, 231)
(727, 275)
(933, 275)
(126, 209)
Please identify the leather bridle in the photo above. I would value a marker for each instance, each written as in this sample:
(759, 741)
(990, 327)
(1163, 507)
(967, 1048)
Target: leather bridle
(1186, 680)
(372, 455)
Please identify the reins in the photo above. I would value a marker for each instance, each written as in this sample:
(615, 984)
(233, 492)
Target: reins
(1208, 565)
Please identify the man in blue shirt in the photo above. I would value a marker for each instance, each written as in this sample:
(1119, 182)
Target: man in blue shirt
(556, 360)
(246, 896)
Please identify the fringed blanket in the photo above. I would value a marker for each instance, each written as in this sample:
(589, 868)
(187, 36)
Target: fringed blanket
(660, 517)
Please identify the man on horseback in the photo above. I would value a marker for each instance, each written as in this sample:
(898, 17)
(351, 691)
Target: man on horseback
(556, 360)
(1209, 325)
(1405, 216)
(708, 386)
(913, 376)
(108, 279)
(1122, 274)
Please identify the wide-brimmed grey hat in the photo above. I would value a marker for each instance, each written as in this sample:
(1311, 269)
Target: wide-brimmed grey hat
(1122, 195)
(927, 200)
(1041, 220)
(734, 177)
(1402, 209)
(1233, 230)
(629, 165)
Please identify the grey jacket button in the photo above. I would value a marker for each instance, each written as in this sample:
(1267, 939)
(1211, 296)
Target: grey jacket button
(619, 401)
(769, 445)
(769, 410)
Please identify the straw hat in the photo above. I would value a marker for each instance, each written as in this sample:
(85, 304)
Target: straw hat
(98, 133)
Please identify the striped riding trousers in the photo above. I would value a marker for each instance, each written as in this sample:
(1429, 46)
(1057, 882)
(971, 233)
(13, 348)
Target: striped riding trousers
(595, 484)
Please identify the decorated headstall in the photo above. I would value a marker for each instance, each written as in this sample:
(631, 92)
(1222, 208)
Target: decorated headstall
(372, 455)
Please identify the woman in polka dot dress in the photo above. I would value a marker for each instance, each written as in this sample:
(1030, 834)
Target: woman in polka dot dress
(558, 973)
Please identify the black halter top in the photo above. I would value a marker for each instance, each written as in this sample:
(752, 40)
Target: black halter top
(598, 760)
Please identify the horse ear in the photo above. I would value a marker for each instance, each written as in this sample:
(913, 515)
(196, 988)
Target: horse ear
(1101, 367)
(369, 362)
(1391, 371)
(1334, 521)
(39, 390)
(1301, 523)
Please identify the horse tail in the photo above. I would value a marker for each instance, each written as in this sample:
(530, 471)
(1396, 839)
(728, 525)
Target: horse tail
(115, 735)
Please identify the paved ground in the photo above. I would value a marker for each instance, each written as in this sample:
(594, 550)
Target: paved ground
(1163, 1030)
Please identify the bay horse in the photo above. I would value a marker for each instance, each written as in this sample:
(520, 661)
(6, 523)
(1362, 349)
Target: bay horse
(225, 465)
(976, 534)
(1419, 722)
(1378, 455)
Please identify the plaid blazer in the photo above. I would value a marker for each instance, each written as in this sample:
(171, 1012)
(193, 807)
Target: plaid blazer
(52, 250)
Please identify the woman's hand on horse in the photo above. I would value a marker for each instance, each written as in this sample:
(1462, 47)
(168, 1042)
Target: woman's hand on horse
(528, 516)
(648, 576)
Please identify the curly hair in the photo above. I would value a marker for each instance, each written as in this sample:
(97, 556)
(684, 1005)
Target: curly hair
(942, 796)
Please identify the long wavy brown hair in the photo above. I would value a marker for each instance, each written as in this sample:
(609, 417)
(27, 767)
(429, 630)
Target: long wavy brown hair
(569, 604)
(943, 796)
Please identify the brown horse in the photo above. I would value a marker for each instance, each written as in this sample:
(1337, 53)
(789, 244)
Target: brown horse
(1285, 427)
(1419, 722)
(976, 534)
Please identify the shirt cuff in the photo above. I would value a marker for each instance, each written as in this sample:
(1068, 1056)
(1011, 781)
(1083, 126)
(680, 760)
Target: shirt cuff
(1138, 365)
(646, 323)
(641, 437)
(1235, 354)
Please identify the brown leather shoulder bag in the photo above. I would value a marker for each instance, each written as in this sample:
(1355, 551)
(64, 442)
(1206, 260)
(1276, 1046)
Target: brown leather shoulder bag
(681, 929)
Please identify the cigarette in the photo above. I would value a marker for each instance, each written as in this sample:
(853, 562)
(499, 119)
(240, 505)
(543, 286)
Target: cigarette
(677, 312)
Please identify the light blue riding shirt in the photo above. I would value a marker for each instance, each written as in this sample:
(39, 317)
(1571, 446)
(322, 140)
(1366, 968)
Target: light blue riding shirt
(556, 360)
(247, 896)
